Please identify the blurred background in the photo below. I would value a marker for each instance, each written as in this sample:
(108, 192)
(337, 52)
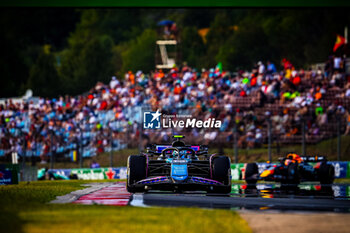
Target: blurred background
(74, 82)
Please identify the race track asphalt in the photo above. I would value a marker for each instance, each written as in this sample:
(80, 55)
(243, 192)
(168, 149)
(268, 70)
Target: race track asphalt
(263, 197)
(253, 203)
(304, 197)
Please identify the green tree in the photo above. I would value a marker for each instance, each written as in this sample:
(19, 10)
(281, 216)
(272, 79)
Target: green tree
(43, 78)
(139, 53)
(243, 49)
(84, 66)
(193, 48)
(120, 24)
(216, 37)
(89, 56)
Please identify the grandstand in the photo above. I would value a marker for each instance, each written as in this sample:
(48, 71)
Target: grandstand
(108, 118)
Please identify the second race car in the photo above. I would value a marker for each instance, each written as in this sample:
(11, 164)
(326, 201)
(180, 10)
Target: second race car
(293, 169)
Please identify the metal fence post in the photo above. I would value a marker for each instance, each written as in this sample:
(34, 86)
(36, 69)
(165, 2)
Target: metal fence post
(339, 136)
(51, 149)
(81, 147)
(278, 146)
(33, 162)
(140, 135)
(235, 147)
(111, 153)
(269, 128)
(303, 141)
(142, 109)
(24, 153)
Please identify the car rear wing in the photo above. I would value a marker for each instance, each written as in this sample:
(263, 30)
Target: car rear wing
(157, 149)
(315, 158)
(307, 158)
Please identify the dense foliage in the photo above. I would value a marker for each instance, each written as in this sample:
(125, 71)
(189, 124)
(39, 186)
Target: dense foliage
(57, 51)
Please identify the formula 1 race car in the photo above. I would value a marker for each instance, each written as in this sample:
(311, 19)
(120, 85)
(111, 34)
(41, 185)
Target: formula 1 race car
(178, 167)
(46, 174)
(293, 169)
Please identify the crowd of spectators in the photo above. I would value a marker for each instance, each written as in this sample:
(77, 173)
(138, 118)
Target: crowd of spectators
(108, 116)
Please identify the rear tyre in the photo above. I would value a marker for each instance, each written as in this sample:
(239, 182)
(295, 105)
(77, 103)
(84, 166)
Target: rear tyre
(136, 171)
(221, 171)
(251, 173)
(326, 173)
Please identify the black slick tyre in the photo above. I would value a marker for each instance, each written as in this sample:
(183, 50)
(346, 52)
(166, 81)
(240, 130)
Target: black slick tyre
(251, 173)
(136, 170)
(221, 171)
(326, 173)
(293, 174)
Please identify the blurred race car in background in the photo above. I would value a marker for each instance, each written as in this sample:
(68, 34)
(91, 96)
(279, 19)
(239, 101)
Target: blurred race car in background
(178, 167)
(293, 169)
(46, 174)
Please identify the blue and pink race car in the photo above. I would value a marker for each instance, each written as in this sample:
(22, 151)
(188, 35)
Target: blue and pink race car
(178, 167)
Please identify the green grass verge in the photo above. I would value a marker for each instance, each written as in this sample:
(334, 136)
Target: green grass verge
(24, 208)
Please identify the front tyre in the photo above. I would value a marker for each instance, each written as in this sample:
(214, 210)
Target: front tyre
(326, 173)
(136, 171)
(292, 176)
(221, 171)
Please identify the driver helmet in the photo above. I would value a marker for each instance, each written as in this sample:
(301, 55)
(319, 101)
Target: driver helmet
(175, 153)
(294, 157)
(298, 158)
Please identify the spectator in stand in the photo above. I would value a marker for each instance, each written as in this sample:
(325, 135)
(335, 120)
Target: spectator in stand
(286, 64)
(271, 68)
(337, 63)
(261, 68)
(114, 82)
